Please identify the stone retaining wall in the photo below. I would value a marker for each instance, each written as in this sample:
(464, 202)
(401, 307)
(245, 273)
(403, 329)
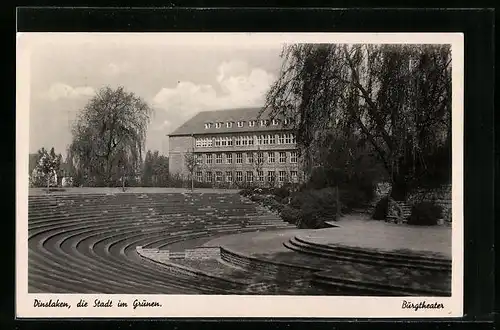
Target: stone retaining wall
(189, 254)
(440, 196)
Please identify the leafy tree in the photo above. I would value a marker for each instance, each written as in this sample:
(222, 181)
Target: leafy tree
(45, 172)
(160, 170)
(147, 171)
(393, 99)
(109, 136)
(155, 170)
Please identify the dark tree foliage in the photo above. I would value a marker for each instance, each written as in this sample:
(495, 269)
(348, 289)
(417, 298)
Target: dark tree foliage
(425, 214)
(391, 101)
(155, 170)
(109, 137)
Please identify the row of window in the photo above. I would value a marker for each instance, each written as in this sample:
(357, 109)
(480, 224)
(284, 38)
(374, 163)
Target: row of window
(247, 140)
(227, 176)
(251, 123)
(227, 158)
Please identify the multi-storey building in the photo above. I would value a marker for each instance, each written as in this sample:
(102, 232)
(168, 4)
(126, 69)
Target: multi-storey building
(235, 147)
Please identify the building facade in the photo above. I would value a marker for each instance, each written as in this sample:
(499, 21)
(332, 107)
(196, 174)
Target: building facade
(236, 147)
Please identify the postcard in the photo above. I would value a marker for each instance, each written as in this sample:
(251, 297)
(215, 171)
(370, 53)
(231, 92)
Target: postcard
(303, 175)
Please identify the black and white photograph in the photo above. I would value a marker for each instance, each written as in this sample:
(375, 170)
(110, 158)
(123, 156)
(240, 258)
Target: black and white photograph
(226, 174)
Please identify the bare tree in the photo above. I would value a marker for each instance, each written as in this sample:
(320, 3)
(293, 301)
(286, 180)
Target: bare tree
(192, 165)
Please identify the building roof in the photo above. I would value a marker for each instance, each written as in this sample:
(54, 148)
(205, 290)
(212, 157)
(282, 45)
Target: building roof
(196, 125)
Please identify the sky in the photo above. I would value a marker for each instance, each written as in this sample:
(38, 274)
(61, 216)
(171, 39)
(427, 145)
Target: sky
(176, 77)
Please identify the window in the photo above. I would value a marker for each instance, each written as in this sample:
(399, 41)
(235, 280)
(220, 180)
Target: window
(244, 140)
(249, 176)
(293, 175)
(250, 140)
(203, 142)
(239, 158)
(293, 157)
(239, 176)
(218, 141)
(282, 176)
(229, 141)
(218, 159)
(282, 157)
(238, 140)
(293, 138)
(271, 175)
(275, 122)
(209, 158)
(281, 139)
(260, 158)
(270, 157)
(272, 139)
(229, 158)
(218, 125)
(208, 176)
(264, 122)
(265, 139)
(229, 124)
(260, 175)
(240, 124)
(199, 176)
(251, 123)
(208, 125)
(249, 157)
(259, 139)
(229, 176)
(218, 176)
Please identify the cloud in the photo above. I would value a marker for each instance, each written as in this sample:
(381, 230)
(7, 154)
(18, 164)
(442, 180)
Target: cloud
(113, 69)
(241, 86)
(62, 91)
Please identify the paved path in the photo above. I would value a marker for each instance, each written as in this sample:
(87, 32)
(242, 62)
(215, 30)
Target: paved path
(256, 242)
(353, 231)
(359, 231)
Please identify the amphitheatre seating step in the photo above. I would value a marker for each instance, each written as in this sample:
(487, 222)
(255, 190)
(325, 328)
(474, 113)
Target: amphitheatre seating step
(96, 234)
(365, 256)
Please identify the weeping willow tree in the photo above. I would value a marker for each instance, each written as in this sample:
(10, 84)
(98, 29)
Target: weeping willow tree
(393, 100)
(109, 137)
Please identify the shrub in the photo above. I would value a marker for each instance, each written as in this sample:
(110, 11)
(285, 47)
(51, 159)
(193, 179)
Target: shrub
(257, 198)
(425, 214)
(290, 215)
(381, 209)
(282, 192)
(271, 203)
(198, 184)
(316, 207)
(246, 192)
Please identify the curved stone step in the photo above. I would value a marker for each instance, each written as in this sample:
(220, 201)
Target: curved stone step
(366, 256)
